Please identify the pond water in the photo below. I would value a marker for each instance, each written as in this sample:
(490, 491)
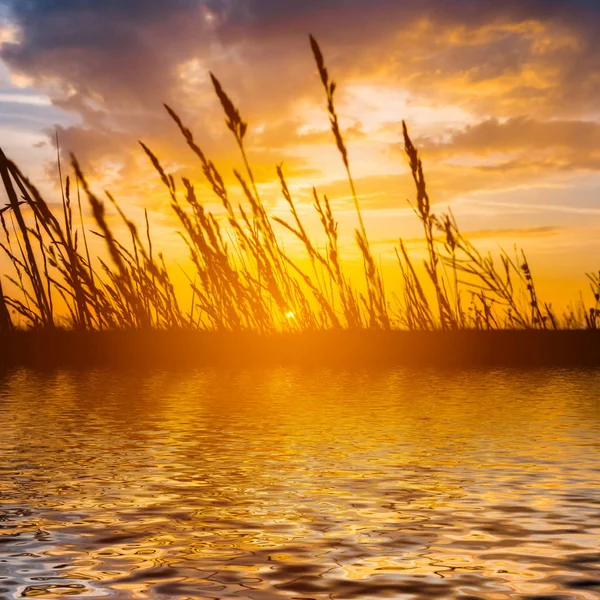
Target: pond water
(300, 484)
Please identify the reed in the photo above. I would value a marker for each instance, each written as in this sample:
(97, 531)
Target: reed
(242, 278)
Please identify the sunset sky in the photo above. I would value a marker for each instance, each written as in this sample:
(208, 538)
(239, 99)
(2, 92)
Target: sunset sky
(502, 98)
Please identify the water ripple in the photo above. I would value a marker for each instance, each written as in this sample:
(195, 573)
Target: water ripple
(288, 484)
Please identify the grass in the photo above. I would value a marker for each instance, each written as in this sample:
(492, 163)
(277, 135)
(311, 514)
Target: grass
(244, 282)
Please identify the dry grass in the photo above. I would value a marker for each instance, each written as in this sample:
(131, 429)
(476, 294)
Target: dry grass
(243, 279)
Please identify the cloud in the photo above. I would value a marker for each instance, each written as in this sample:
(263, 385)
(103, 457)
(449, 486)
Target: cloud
(118, 54)
(130, 53)
(112, 65)
(509, 233)
(520, 133)
(518, 146)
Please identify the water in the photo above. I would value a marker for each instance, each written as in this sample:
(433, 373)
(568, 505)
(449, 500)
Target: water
(300, 484)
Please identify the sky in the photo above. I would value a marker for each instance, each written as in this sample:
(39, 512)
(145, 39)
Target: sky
(501, 98)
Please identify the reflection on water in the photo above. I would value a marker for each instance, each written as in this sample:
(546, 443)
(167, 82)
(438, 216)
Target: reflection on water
(293, 484)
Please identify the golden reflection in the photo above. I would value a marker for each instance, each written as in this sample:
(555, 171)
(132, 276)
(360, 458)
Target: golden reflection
(288, 484)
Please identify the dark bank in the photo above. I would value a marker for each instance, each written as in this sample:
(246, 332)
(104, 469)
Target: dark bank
(333, 348)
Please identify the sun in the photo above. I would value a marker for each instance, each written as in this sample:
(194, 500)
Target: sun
(290, 315)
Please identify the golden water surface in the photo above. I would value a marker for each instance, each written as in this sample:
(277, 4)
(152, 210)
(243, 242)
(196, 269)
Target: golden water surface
(300, 484)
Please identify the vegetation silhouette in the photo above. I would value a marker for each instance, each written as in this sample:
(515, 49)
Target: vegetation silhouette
(244, 281)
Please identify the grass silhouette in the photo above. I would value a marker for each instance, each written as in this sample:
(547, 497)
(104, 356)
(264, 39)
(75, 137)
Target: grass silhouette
(244, 282)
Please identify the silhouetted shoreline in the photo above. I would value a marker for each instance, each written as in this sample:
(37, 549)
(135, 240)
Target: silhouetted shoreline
(330, 348)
